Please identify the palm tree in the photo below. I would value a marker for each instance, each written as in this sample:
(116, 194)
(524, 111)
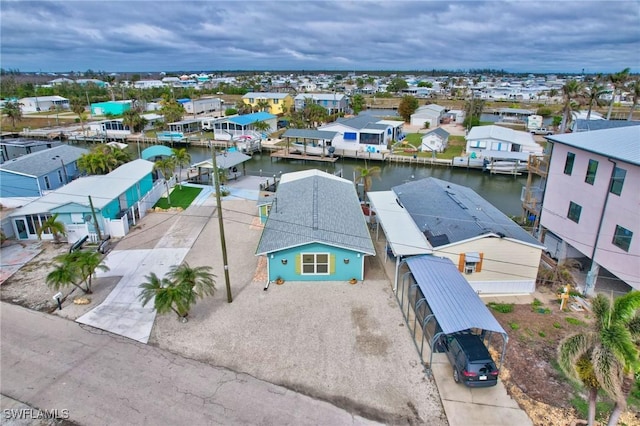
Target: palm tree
(365, 175)
(52, 226)
(88, 262)
(77, 106)
(571, 93)
(593, 93)
(134, 120)
(166, 167)
(63, 274)
(263, 105)
(635, 92)
(75, 268)
(607, 352)
(618, 81)
(13, 111)
(261, 126)
(180, 289)
(181, 158)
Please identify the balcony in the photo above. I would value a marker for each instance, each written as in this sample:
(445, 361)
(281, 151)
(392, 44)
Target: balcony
(531, 199)
(538, 164)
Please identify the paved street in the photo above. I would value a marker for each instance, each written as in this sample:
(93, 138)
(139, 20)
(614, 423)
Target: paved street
(52, 363)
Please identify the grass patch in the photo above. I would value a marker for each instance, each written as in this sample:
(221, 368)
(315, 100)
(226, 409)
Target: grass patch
(536, 303)
(179, 197)
(574, 321)
(542, 334)
(557, 325)
(414, 140)
(603, 408)
(503, 308)
(514, 325)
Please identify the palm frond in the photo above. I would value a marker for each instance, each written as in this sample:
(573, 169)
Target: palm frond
(607, 369)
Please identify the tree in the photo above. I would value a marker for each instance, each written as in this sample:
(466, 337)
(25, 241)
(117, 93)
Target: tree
(571, 93)
(408, 105)
(88, 262)
(609, 347)
(52, 226)
(12, 110)
(78, 107)
(396, 85)
(261, 126)
(75, 268)
(357, 104)
(179, 290)
(365, 176)
(171, 110)
(472, 112)
(593, 93)
(618, 80)
(103, 159)
(181, 158)
(166, 166)
(134, 120)
(634, 87)
(263, 105)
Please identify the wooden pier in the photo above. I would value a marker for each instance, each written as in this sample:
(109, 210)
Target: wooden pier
(297, 156)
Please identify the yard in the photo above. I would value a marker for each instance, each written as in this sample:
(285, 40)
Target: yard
(454, 149)
(181, 196)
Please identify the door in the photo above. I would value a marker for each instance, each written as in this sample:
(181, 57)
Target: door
(21, 226)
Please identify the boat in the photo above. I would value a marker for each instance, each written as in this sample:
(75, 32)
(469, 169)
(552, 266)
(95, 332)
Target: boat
(504, 166)
(310, 149)
(247, 143)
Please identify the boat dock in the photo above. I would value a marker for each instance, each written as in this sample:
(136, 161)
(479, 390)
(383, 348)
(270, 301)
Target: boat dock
(283, 153)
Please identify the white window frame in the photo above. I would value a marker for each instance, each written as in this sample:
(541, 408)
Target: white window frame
(315, 263)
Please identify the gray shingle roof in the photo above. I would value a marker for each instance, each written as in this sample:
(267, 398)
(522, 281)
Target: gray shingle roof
(359, 122)
(440, 132)
(622, 143)
(308, 134)
(313, 206)
(449, 213)
(43, 162)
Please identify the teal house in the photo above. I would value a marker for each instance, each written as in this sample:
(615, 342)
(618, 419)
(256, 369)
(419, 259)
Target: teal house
(110, 108)
(315, 230)
(106, 205)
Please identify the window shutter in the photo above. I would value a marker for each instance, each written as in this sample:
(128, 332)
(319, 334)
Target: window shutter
(298, 263)
(332, 264)
(461, 263)
(479, 264)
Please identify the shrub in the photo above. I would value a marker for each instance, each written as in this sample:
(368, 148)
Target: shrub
(503, 308)
(557, 325)
(514, 325)
(574, 321)
(542, 334)
(536, 303)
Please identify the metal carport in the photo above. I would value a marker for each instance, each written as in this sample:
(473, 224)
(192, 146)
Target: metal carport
(443, 303)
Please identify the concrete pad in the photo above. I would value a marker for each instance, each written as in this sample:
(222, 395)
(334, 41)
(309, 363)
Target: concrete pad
(15, 256)
(462, 414)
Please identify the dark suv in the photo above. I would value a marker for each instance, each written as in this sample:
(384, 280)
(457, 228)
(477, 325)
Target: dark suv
(470, 359)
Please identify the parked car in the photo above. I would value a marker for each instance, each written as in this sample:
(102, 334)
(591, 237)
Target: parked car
(541, 131)
(472, 364)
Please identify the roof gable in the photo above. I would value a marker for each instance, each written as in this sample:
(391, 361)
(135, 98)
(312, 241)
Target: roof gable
(42, 162)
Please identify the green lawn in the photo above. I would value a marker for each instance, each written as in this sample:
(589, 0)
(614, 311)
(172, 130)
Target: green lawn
(179, 197)
(455, 148)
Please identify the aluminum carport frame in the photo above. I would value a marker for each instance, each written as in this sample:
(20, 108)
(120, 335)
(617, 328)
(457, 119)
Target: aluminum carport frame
(454, 305)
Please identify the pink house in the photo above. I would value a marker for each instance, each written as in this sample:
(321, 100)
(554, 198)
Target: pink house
(592, 199)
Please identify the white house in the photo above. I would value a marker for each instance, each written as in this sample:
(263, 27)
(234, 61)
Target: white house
(364, 134)
(43, 103)
(147, 84)
(431, 114)
(486, 140)
(435, 140)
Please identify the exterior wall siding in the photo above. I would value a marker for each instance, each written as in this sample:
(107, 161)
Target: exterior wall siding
(14, 185)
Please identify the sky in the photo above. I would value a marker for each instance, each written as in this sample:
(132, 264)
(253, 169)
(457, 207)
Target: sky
(141, 35)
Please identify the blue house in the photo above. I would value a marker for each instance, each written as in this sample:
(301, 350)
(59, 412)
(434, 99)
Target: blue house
(31, 175)
(119, 199)
(315, 230)
(237, 125)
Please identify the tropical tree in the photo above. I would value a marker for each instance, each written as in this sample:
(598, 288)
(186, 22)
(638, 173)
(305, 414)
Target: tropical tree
(12, 110)
(263, 105)
(397, 84)
(75, 268)
(77, 106)
(593, 93)
(365, 176)
(617, 80)
(134, 120)
(634, 87)
(52, 226)
(103, 159)
(472, 112)
(179, 290)
(408, 105)
(181, 158)
(261, 126)
(166, 166)
(606, 354)
(357, 103)
(88, 262)
(171, 110)
(571, 93)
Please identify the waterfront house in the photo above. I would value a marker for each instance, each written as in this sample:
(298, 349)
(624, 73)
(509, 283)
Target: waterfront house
(591, 200)
(32, 175)
(433, 216)
(43, 103)
(315, 230)
(229, 127)
(333, 102)
(364, 134)
(498, 141)
(116, 201)
(278, 103)
(11, 148)
(435, 140)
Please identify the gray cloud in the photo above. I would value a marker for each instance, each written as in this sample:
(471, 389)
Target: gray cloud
(535, 36)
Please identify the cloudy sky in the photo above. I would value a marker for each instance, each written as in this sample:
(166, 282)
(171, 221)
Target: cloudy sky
(144, 35)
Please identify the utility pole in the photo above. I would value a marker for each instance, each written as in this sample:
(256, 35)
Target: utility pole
(216, 181)
(95, 219)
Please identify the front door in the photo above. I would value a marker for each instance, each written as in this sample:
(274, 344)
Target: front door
(21, 226)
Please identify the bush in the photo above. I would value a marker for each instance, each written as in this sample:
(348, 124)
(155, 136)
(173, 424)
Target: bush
(574, 321)
(544, 111)
(503, 308)
(230, 111)
(514, 325)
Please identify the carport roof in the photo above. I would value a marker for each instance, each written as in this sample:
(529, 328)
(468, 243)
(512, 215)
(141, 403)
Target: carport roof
(224, 161)
(454, 303)
(157, 151)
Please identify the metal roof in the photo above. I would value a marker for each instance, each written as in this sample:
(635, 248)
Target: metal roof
(504, 134)
(103, 189)
(315, 207)
(320, 96)
(438, 131)
(448, 213)
(157, 151)
(308, 134)
(224, 161)
(265, 95)
(583, 125)
(243, 120)
(403, 236)
(358, 122)
(456, 306)
(42, 162)
(622, 143)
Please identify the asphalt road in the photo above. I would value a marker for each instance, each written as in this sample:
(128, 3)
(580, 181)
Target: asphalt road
(102, 379)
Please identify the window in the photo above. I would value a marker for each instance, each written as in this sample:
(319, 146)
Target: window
(470, 262)
(315, 264)
(478, 144)
(617, 180)
(276, 101)
(591, 172)
(60, 175)
(574, 212)
(47, 184)
(622, 238)
(568, 163)
(350, 136)
(250, 100)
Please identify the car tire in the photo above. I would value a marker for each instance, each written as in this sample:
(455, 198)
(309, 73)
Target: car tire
(456, 375)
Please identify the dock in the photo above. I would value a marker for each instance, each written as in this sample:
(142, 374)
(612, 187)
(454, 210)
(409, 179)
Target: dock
(297, 156)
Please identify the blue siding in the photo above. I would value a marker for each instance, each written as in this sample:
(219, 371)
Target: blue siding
(342, 271)
(13, 185)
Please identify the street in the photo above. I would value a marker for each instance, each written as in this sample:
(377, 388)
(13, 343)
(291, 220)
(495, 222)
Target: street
(102, 379)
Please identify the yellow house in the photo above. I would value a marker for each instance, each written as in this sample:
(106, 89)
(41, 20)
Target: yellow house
(276, 103)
